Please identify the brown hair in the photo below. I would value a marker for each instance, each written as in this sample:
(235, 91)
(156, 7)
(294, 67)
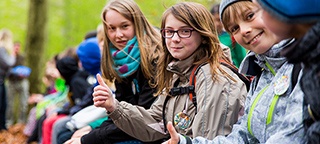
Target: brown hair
(100, 32)
(6, 40)
(234, 12)
(215, 9)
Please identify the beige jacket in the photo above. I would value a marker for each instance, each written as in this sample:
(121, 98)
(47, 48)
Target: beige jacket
(218, 105)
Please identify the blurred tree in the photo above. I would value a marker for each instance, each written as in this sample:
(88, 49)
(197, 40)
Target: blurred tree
(35, 42)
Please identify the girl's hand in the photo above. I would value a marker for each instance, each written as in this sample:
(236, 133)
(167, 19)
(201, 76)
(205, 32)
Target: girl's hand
(102, 96)
(80, 132)
(173, 134)
(73, 141)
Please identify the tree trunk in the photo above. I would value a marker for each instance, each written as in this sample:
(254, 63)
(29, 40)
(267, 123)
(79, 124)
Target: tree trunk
(35, 42)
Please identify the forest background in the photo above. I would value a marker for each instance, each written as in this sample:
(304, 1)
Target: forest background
(47, 27)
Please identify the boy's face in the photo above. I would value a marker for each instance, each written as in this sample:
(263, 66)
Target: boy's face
(281, 29)
(250, 31)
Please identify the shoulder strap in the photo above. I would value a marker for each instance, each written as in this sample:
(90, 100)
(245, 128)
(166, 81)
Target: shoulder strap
(192, 83)
(189, 89)
(234, 69)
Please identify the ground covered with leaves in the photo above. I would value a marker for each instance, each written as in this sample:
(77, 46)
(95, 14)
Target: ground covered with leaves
(14, 135)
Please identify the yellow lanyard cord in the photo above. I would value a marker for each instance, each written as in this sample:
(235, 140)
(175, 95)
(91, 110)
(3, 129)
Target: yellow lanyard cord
(271, 108)
(253, 106)
(270, 68)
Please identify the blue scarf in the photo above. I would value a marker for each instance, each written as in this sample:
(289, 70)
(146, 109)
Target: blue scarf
(127, 60)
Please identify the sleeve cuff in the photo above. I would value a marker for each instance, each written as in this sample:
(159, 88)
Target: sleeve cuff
(117, 112)
(184, 139)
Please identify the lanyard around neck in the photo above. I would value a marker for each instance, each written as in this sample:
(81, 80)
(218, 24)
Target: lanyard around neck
(271, 108)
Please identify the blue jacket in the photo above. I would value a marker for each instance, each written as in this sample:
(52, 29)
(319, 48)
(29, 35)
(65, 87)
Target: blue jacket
(269, 117)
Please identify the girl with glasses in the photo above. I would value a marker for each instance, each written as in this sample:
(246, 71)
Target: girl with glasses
(188, 39)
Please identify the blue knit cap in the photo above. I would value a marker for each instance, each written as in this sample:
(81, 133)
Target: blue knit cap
(89, 55)
(293, 11)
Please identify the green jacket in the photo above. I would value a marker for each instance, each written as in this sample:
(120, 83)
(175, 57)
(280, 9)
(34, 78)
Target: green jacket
(237, 51)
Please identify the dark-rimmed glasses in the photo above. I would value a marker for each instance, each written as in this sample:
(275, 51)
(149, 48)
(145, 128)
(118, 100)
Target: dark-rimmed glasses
(182, 33)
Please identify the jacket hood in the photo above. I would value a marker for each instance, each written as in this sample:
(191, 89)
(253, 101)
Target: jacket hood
(293, 11)
(251, 63)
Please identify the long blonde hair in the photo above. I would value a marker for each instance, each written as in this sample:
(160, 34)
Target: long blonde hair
(199, 18)
(148, 39)
(6, 40)
(100, 32)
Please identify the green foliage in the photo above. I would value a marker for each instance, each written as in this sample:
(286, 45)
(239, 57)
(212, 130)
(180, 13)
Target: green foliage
(153, 9)
(70, 20)
(13, 15)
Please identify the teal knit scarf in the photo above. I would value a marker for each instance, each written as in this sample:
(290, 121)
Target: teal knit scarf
(127, 60)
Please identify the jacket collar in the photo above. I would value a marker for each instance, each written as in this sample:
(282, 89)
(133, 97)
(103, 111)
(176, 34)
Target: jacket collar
(272, 56)
(182, 68)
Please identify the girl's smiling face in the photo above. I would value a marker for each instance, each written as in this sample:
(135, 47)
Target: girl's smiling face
(250, 31)
(120, 29)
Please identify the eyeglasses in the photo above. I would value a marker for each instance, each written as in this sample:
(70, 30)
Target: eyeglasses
(182, 33)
